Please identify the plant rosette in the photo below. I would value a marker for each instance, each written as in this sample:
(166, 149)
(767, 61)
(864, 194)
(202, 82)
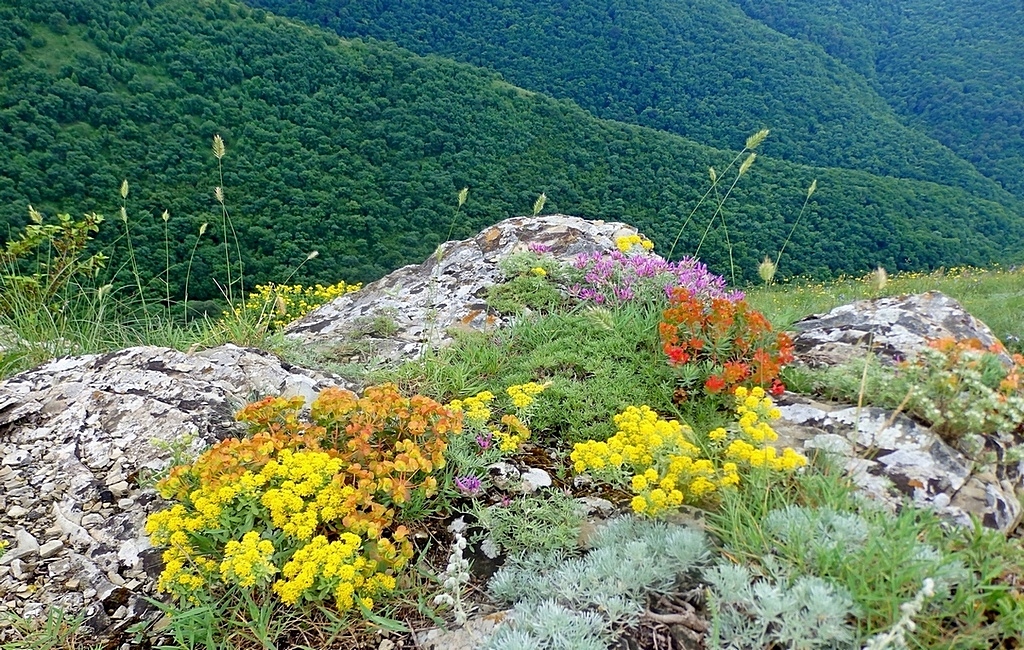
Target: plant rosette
(718, 345)
(308, 509)
(664, 464)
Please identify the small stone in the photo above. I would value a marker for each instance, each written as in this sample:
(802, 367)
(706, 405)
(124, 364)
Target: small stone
(120, 612)
(92, 519)
(17, 458)
(89, 593)
(16, 512)
(73, 583)
(132, 584)
(125, 504)
(51, 548)
(114, 577)
(120, 488)
(58, 567)
(503, 475)
(22, 571)
(534, 479)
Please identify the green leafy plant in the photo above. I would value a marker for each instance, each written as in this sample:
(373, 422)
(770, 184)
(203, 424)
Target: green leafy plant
(549, 522)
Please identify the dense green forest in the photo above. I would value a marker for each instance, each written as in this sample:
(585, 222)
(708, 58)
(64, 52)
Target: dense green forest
(357, 149)
(954, 70)
(707, 70)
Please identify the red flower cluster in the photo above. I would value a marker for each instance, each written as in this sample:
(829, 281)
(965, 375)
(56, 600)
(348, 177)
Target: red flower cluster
(722, 344)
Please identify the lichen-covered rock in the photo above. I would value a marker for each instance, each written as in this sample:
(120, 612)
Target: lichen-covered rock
(416, 306)
(891, 458)
(80, 439)
(894, 327)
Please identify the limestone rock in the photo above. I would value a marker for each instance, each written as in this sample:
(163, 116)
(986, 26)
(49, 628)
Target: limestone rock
(891, 457)
(80, 438)
(416, 306)
(896, 328)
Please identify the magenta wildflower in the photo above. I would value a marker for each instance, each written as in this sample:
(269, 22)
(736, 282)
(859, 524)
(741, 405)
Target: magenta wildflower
(468, 485)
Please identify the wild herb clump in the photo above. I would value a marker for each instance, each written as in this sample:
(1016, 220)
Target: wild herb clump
(562, 601)
(665, 464)
(309, 510)
(718, 345)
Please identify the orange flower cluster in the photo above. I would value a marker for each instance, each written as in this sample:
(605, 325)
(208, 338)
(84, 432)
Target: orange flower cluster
(303, 484)
(722, 344)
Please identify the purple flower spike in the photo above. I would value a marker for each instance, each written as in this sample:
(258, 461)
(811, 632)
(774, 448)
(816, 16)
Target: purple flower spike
(468, 485)
(484, 441)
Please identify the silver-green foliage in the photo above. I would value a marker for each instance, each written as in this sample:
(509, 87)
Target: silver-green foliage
(630, 558)
(802, 613)
(544, 523)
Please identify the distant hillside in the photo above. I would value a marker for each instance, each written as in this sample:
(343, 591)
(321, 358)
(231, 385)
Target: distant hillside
(953, 70)
(703, 69)
(358, 149)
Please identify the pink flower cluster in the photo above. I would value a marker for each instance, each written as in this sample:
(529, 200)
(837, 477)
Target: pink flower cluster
(616, 278)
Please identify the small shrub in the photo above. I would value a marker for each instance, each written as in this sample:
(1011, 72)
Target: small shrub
(580, 602)
(306, 508)
(280, 304)
(633, 274)
(960, 387)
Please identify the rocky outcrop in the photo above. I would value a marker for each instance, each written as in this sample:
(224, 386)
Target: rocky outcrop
(81, 440)
(893, 459)
(417, 306)
(893, 327)
(888, 455)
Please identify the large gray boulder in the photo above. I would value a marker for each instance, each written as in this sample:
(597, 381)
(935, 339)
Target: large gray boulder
(894, 327)
(894, 459)
(80, 439)
(890, 456)
(417, 306)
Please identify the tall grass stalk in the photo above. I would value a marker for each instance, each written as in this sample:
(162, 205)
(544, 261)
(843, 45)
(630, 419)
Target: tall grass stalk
(227, 226)
(131, 249)
(748, 148)
(807, 198)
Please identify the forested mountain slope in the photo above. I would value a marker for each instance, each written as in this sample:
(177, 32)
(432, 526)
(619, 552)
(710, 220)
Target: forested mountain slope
(954, 70)
(358, 149)
(699, 68)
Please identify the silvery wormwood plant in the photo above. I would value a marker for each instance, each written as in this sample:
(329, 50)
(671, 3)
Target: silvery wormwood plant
(578, 603)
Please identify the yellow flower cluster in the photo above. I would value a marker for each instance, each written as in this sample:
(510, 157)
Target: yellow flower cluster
(280, 304)
(667, 470)
(658, 461)
(476, 408)
(523, 394)
(512, 435)
(338, 568)
(185, 571)
(248, 561)
(538, 271)
(511, 430)
(625, 244)
(753, 433)
(307, 493)
(290, 482)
